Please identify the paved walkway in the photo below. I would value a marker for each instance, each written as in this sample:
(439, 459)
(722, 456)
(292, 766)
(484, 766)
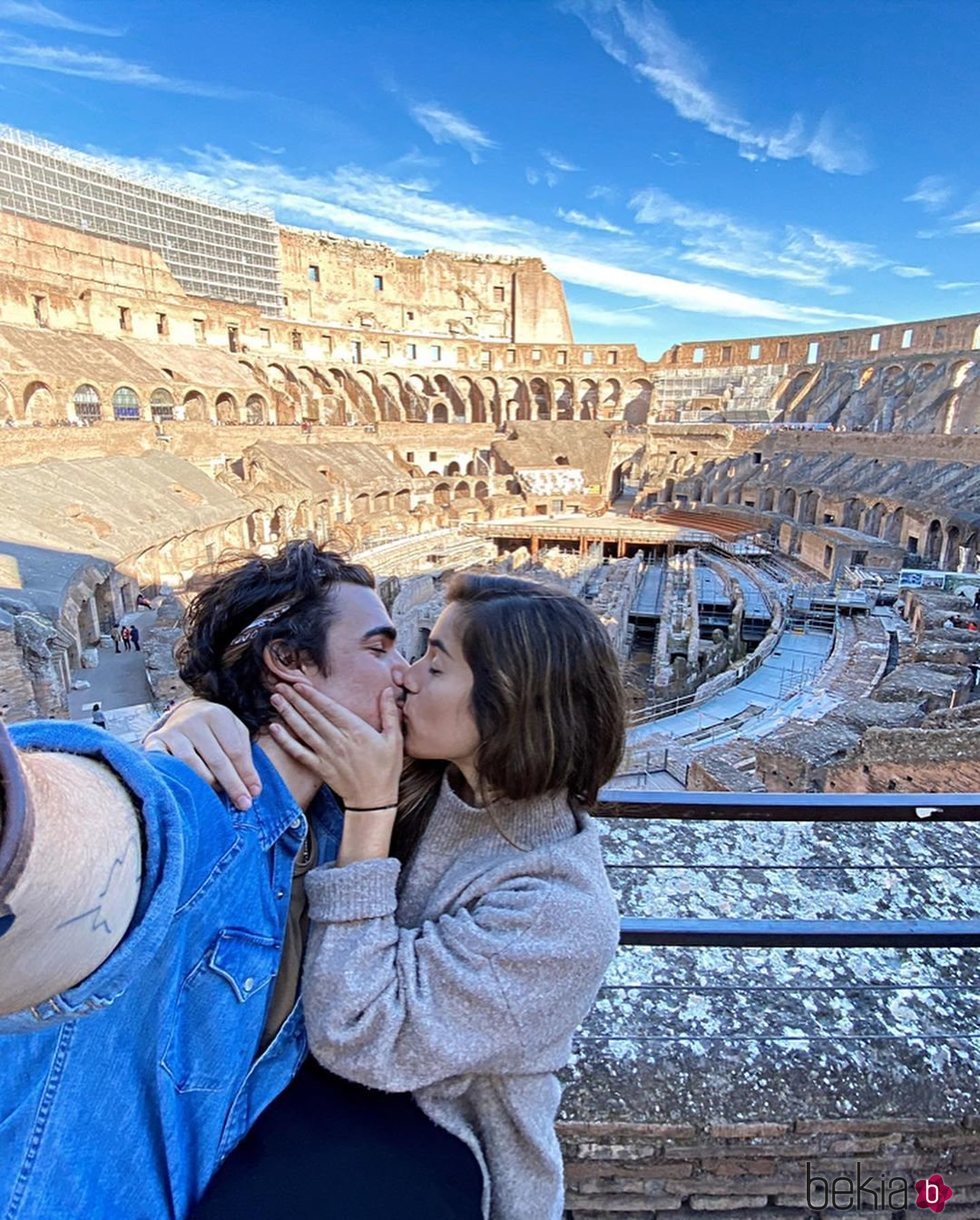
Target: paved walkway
(119, 684)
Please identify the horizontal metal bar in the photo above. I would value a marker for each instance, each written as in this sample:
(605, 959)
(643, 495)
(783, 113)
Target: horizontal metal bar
(802, 933)
(948, 1036)
(941, 866)
(911, 807)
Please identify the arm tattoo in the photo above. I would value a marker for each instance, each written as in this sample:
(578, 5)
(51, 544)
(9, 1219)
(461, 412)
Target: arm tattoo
(99, 920)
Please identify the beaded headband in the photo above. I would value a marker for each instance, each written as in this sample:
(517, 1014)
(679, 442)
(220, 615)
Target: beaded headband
(245, 637)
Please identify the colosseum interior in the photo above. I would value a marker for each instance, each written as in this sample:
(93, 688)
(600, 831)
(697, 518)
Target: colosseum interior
(780, 533)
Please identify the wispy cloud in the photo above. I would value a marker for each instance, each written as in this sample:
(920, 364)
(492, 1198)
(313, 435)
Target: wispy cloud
(911, 273)
(447, 128)
(959, 285)
(66, 61)
(638, 35)
(547, 176)
(560, 163)
(408, 215)
(599, 223)
(613, 319)
(794, 253)
(933, 193)
(28, 12)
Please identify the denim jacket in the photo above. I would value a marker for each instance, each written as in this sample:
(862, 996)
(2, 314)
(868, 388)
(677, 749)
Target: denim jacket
(120, 1097)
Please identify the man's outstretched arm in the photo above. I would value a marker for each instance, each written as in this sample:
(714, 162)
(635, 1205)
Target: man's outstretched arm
(75, 869)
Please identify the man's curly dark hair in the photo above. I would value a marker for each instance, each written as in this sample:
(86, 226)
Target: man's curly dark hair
(252, 602)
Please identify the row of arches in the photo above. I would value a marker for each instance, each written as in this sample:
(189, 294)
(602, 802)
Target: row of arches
(89, 405)
(423, 397)
(951, 545)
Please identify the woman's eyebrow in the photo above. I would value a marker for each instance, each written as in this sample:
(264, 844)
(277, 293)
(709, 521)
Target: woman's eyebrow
(434, 643)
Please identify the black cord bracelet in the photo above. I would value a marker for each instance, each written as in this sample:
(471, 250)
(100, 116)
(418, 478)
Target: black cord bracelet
(370, 808)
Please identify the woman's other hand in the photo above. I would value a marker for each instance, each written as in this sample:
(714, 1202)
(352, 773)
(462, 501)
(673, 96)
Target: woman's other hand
(214, 743)
(360, 764)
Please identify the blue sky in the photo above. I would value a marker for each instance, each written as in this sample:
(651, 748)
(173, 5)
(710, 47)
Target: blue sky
(691, 169)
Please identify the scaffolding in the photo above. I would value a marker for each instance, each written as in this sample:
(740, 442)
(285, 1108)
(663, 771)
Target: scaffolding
(744, 392)
(212, 248)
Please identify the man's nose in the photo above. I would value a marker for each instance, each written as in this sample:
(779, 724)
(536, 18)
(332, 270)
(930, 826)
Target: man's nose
(399, 667)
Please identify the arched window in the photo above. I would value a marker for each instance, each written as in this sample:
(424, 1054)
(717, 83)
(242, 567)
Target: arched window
(254, 409)
(162, 405)
(126, 403)
(88, 405)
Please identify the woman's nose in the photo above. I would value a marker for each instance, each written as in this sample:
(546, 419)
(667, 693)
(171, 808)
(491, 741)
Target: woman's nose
(407, 679)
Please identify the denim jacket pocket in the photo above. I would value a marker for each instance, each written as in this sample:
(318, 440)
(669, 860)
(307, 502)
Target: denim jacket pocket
(210, 1043)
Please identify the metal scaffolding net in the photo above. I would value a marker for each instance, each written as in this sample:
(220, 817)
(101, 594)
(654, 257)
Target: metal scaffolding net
(212, 248)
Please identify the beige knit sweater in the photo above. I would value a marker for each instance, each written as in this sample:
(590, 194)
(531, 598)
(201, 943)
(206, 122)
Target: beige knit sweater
(464, 981)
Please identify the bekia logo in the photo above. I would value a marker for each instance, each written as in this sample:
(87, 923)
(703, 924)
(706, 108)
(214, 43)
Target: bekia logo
(933, 1193)
(857, 1191)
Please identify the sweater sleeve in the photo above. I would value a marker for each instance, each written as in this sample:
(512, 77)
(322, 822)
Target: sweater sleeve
(487, 988)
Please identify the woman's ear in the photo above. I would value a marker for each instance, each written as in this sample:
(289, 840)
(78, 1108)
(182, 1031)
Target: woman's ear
(284, 663)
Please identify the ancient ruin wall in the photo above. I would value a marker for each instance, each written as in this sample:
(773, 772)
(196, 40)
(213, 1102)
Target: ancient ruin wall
(361, 284)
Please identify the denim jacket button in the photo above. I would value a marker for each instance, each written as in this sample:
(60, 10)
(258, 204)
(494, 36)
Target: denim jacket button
(248, 984)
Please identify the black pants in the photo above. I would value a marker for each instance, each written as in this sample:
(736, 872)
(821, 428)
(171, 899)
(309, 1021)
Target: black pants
(330, 1150)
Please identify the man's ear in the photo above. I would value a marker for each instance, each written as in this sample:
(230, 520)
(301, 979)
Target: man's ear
(284, 663)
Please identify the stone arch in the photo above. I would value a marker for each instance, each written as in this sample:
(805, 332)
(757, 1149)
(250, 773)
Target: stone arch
(471, 394)
(162, 405)
(808, 505)
(38, 402)
(540, 394)
(226, 408)
(638, 395)
(125, 403)
(893, 526)
(440, 493)
(873, 518)
(256, 409)
(490, 390)
(382, 502)
(588, 398)
(481, 490)
(403, 500)
(768, 496)
(787, 502)
(440, 413)
(970, 547)
(462, 490)
(452, 469)
(564, 398)
(361, 505)
(87, 403)
(196, 407)
(923, 370)
(516, 404)
(279, 376)
(610, 396)
(932, 551)
(851, 515)
(795, 412)
(951, 548)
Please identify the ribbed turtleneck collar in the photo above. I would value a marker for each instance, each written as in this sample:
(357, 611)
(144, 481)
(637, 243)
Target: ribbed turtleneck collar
(528, 823)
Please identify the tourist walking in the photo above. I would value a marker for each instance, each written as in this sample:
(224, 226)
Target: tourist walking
(116, 635)
(134, 635)
(98, 716)
(126, 639)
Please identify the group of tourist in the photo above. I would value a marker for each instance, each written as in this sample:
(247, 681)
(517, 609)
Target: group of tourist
(128, 636)
(404, 845)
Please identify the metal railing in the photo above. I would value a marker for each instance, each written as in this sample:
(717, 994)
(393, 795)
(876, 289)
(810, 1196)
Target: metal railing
(915, 808)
